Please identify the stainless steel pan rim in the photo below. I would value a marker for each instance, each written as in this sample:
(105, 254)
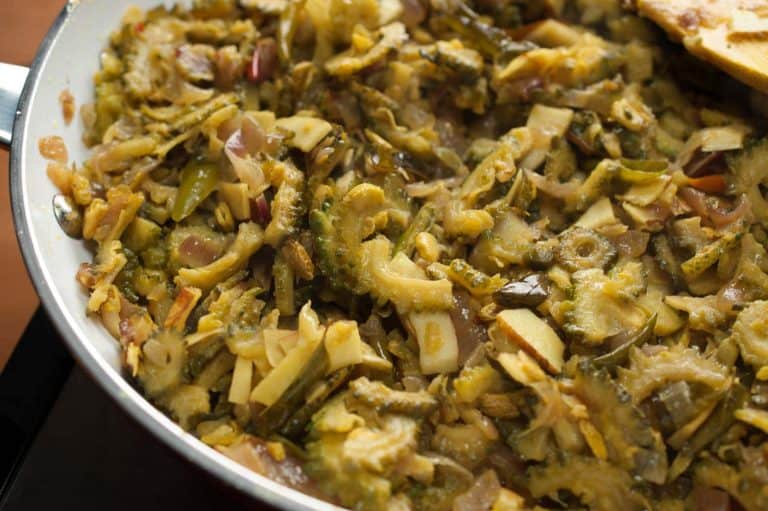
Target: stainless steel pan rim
(109, 380)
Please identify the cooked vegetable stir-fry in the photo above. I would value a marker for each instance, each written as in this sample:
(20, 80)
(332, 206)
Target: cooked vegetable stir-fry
(447, 255)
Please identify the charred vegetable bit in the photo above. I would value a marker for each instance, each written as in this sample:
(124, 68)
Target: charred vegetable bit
(530, 291)
(434, 255)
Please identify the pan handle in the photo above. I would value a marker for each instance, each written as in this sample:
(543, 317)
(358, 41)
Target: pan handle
(12, 79)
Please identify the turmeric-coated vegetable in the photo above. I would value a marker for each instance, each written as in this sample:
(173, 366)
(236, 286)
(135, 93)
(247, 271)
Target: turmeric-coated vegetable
(436, 255)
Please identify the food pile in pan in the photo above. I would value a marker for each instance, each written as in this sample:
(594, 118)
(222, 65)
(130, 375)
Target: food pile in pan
(446, 255)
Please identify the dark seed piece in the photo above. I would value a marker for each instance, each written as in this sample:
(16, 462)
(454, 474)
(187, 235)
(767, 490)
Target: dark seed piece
(531, 291)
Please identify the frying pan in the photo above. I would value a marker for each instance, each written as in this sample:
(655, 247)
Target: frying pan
(29, 110)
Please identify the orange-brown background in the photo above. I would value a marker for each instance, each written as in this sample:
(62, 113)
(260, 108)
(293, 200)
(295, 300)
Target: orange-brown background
(23, 24)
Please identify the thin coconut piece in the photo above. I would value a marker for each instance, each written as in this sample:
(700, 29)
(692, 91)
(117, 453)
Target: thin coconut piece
(434, 330)
(241, 381)
(545, 123)
(438, 345)
(278, 342)
(534, 336)
(343, 345)
(269, 390)
(307, 131)
(599, 214)
(277, 381)
(521, 367)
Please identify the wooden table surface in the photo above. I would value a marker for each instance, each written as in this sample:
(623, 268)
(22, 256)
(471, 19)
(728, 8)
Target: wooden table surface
(23, 23)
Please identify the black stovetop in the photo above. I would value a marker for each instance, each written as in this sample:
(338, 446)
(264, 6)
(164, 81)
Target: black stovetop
(65, 445)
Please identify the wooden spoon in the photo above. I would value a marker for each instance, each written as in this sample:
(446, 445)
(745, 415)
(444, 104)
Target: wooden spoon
(731, 34)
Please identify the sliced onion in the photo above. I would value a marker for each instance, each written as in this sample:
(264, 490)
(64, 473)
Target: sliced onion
(742, 210)
(247, 169)
(264, 62)
(227, 128)
(696, 200)
(702, 163)
(260, 211)
(716, 209)
(252, 453)
(235, 144)
(195, 251)
(135, 326)
(736, 293)
(252, 135)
